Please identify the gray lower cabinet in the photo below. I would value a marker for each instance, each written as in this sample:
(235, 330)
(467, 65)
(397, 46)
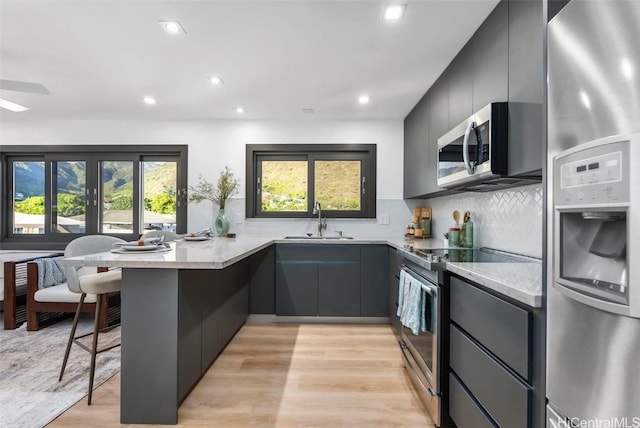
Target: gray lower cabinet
(490, 359)
(296, 288)
(339, 289)
(331, 280)
(212, 306)
(395, 262)
(374, 289)
(263, 281)
(464, 409)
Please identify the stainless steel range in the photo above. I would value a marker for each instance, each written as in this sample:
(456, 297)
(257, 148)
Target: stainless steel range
(423, 337)
(421, 340)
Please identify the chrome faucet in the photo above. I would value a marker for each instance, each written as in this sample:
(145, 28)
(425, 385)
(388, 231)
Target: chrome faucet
(317, 209)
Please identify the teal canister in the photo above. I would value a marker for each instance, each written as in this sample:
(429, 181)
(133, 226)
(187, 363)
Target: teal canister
(454, 237)
(466, 235)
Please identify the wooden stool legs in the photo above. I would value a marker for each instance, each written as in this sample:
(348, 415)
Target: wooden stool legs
(72, 335)
(94, 347)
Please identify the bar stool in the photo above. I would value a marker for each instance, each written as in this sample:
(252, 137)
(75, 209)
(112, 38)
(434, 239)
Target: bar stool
(85, 280)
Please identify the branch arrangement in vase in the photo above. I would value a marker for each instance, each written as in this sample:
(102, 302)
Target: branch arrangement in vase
(226, 187)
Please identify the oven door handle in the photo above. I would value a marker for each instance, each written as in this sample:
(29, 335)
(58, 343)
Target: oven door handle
(428, 288)
(465, 148)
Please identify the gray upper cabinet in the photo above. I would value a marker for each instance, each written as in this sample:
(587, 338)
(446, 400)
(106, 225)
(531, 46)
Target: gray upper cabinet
(427, 122)
(490, 50)
(438, 115)
(526, 86)
(460, 75)
(501, 62)
(416, 155)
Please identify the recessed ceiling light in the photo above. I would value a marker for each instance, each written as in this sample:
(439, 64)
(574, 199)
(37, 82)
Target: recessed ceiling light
(172, 27)
(216, 80)
(308, 111)
(150, 101)
(627, 68)
(239, 110)
(364, 99)
(394, 12)
(12, 106)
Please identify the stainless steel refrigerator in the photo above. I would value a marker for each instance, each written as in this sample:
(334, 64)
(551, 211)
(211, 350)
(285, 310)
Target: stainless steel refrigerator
(593, 215)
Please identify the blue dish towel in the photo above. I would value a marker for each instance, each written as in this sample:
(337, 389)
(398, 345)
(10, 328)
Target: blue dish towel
(412, 309)
(50, 272)
(403, 295)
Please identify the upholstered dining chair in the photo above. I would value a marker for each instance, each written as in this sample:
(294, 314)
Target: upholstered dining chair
(99, 284)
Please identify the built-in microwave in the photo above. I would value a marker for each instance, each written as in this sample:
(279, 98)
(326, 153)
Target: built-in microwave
(475, 153)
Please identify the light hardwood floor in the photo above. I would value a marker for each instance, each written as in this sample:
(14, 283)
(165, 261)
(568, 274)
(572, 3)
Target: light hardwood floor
(281, 375)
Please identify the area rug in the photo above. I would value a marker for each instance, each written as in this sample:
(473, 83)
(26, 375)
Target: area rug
(30, 361)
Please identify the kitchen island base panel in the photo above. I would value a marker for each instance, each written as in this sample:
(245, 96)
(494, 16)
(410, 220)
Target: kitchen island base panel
(174, 325)
(149, 316)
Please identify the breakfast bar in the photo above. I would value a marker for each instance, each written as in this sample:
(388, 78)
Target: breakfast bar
(179, 309)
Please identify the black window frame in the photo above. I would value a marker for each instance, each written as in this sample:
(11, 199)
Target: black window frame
(366, 153)
(52, 153)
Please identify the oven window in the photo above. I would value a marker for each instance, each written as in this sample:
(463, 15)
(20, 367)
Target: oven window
(424, 341)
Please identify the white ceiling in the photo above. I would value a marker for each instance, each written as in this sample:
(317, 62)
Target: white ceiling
(99, 58)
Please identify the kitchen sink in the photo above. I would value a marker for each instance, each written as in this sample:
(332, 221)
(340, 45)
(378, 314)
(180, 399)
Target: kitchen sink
(316, 238)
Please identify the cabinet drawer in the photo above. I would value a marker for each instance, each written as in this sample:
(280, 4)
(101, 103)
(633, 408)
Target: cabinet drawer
(462, 409)
(501, 394)
(501, 327)
(318, 253)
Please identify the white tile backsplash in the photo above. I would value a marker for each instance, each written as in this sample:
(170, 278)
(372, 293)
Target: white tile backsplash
(508, 220)
(201, 216)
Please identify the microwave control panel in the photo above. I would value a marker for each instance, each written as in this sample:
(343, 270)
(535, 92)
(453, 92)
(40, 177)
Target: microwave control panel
(593, 176)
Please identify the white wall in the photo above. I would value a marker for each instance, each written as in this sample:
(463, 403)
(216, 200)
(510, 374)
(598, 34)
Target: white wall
(509, 220)
(219, 143)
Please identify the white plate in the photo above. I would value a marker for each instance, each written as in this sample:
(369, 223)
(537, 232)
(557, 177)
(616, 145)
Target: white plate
(138, 247)
(196, 238)
(156, 249)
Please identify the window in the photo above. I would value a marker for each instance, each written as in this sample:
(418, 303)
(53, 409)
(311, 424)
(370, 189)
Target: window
(57, 193)
(287, 180)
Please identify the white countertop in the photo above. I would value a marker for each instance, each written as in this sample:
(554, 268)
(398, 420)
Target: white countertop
(521, 281)
(216, 253)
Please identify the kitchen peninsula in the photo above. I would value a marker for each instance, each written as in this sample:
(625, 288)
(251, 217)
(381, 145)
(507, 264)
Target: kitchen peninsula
(181, 307)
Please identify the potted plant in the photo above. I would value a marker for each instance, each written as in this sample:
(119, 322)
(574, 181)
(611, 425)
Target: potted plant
(226, 187)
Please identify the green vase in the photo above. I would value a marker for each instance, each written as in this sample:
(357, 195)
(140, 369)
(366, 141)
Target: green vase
(222, 223)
